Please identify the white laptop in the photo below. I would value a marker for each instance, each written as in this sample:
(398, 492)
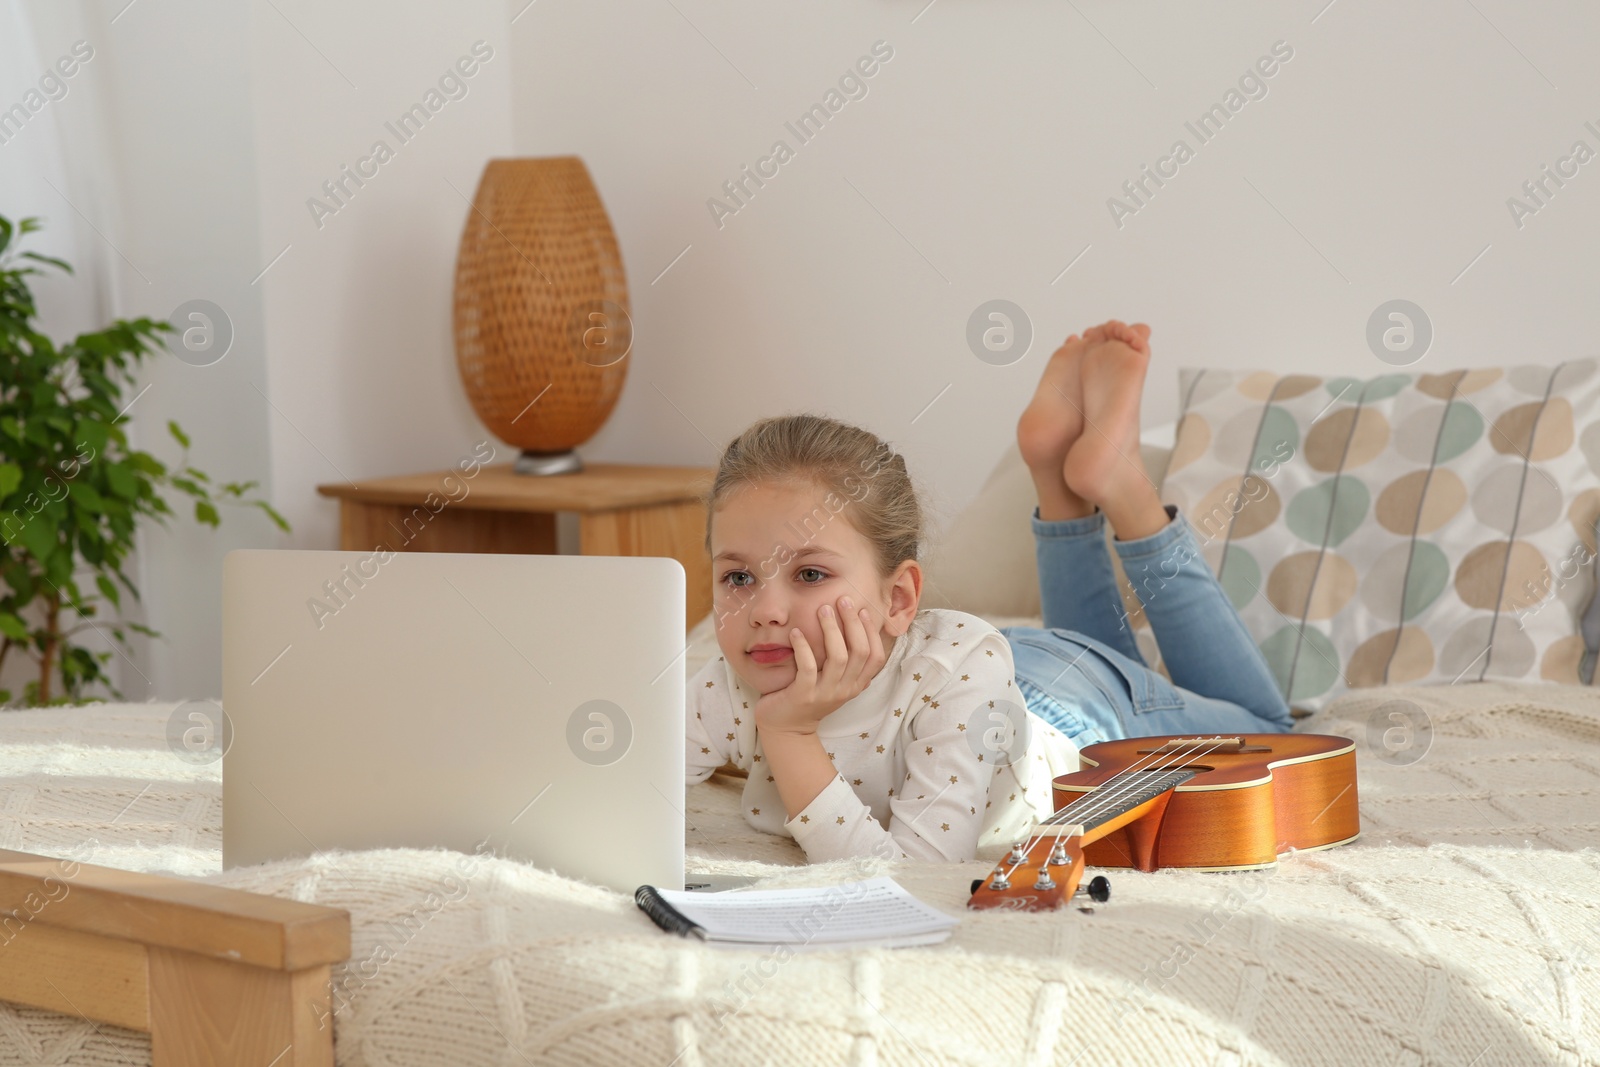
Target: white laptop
(531, 705)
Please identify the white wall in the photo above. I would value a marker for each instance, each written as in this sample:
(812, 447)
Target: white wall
(977, 166)
(178, 103)
(219, 122)
(363, 378)
(992, 140)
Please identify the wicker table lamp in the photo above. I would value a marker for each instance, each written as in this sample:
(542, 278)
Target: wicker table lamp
(541, 310)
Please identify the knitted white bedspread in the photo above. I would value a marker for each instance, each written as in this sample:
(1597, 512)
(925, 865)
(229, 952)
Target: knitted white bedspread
(1463, 929)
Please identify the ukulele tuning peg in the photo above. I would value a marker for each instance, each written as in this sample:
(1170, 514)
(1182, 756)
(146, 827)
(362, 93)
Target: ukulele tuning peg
(1098, 889)
(1058, 857)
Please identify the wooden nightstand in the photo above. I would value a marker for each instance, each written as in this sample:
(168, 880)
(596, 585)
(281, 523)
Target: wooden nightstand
(622, 511)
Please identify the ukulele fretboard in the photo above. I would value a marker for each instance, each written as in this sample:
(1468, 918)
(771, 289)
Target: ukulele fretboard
(1124, 792)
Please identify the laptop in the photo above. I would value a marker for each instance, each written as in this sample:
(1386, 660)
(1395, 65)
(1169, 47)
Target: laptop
(528, 705)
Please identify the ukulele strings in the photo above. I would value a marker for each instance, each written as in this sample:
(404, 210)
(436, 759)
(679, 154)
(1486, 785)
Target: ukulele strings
(1113, 791)
(1120, 786)
(1105, 797)
(1108, 795)
(1123, 784)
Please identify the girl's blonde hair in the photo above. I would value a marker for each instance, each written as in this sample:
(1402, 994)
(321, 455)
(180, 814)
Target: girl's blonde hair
(863, 470)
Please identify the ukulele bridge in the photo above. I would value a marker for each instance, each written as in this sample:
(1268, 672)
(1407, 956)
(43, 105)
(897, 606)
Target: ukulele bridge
(1189, 744)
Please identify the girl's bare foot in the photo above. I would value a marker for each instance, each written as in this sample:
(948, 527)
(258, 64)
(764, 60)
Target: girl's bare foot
(1048, 428)
(1136, 336)
(1103, 466)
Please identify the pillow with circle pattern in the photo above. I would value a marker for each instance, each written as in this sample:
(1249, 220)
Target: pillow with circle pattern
(1402, 529)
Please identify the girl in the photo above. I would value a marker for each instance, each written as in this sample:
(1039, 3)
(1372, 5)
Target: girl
(869, 727)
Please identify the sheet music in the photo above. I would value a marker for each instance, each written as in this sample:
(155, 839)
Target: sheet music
(869, 911)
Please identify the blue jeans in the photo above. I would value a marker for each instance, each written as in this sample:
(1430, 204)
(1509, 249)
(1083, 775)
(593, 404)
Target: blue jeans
(1084, 673)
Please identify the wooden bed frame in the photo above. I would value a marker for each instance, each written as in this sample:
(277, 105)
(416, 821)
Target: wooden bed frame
(213, 975)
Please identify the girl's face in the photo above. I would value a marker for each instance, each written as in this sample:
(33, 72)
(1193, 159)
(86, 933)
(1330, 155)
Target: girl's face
(779, 554)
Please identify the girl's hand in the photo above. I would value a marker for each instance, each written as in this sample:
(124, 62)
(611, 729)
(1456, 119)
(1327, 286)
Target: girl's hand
(813, 695)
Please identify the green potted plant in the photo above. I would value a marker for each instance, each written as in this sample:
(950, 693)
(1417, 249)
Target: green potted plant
(71, 490)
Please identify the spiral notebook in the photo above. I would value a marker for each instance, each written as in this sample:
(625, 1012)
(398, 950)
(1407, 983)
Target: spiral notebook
(877, 913)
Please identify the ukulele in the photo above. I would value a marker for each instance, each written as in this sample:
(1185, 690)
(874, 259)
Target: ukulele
(1206, 803)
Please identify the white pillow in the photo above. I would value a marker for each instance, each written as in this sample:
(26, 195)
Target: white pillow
(984, 563)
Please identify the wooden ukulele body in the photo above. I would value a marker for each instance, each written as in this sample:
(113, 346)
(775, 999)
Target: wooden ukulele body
(1246, 804)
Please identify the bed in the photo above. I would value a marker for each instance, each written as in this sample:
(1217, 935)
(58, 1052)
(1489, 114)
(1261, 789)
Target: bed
(1463, 927)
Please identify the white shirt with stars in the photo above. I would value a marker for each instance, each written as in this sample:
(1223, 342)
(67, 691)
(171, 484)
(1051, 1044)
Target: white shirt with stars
(929, 765)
